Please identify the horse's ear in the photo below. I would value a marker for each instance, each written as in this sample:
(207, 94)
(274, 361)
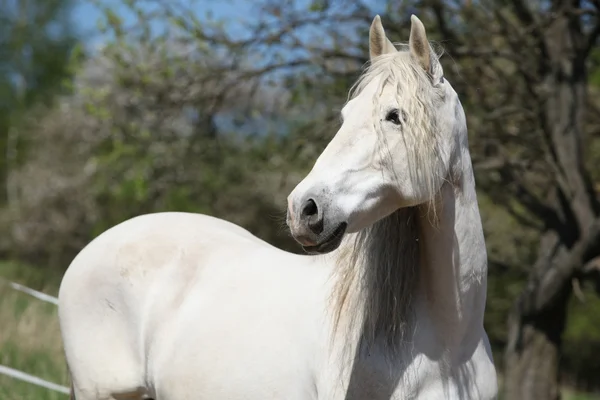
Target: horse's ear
(419, 45)
(379, 43)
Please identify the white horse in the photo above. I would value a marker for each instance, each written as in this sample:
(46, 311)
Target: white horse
(180, 306)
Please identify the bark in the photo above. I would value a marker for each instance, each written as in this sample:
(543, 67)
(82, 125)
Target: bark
(534, 337)
(538, 318)
(534, 351)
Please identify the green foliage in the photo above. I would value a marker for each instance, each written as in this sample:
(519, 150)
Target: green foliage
(37, 55)
(37, 277)
(581, 338)
(318, 5)
(594, 78)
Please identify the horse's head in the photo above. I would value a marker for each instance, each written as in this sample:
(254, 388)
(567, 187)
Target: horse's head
(401, 130)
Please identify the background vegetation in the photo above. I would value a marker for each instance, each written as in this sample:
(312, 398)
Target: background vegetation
(146, 106)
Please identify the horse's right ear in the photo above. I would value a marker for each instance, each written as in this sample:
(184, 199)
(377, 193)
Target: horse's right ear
(379, 43)
(421, 50)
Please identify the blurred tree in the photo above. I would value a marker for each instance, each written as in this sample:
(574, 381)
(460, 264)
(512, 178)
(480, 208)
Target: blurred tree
(36, 43)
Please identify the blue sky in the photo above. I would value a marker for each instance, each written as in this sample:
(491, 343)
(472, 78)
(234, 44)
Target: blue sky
(86, 15)
(233, 12)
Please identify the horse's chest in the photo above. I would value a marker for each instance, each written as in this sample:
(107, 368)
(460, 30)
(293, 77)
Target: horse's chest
(234, 369)
(236, 349)
(414, 376)
(369, 377)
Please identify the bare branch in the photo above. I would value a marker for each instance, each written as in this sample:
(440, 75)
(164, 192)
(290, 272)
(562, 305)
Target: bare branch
(468, 51)
(577, 290)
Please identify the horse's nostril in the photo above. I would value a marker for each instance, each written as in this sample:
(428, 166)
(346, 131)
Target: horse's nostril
(310, 208)
(312, 217)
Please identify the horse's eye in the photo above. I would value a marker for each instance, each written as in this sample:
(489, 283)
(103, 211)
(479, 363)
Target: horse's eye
(393, 116)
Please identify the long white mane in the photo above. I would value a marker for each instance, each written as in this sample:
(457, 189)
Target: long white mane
(378, 268)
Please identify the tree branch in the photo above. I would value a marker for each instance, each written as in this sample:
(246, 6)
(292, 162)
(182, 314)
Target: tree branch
(555, 267)
(591, 272)
(468, 51)
(523, 12)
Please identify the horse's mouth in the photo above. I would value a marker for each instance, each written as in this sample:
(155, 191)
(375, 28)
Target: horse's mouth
(330, 243)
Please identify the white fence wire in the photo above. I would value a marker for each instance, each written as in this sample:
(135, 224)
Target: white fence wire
(38, 295)
(20, 375)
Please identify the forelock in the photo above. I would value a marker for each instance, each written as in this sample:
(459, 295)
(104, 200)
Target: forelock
(419, 98)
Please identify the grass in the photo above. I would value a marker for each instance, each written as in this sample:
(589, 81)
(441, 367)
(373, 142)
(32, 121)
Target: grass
(29, 339)
(568, 394)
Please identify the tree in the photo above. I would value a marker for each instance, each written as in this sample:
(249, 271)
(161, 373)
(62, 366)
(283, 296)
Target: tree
(148, 127)
(36, 43)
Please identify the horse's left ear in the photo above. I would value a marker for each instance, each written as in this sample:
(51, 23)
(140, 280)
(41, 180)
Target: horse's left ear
(421, 50)
(378, 42)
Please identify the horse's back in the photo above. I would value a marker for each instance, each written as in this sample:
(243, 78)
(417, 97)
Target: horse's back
(144, 295)
(133, 252)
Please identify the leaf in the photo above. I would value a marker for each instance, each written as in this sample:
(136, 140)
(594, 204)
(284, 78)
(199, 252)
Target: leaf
(319, 5)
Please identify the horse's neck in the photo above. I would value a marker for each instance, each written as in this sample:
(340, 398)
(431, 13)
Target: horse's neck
(372, 297)
(453, 260)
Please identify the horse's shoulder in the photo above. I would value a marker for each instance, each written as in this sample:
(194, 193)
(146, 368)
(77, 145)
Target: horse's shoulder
(153, 241)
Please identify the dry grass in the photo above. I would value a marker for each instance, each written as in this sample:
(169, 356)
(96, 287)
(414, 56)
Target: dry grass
(30, 342)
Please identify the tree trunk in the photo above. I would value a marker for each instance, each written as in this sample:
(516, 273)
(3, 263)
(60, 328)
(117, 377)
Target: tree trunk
(534, 336)
(534, 341)
(532, 371)
(538, 319)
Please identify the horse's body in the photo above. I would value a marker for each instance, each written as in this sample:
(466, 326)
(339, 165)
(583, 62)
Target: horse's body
(185, 306)
(180, 306)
